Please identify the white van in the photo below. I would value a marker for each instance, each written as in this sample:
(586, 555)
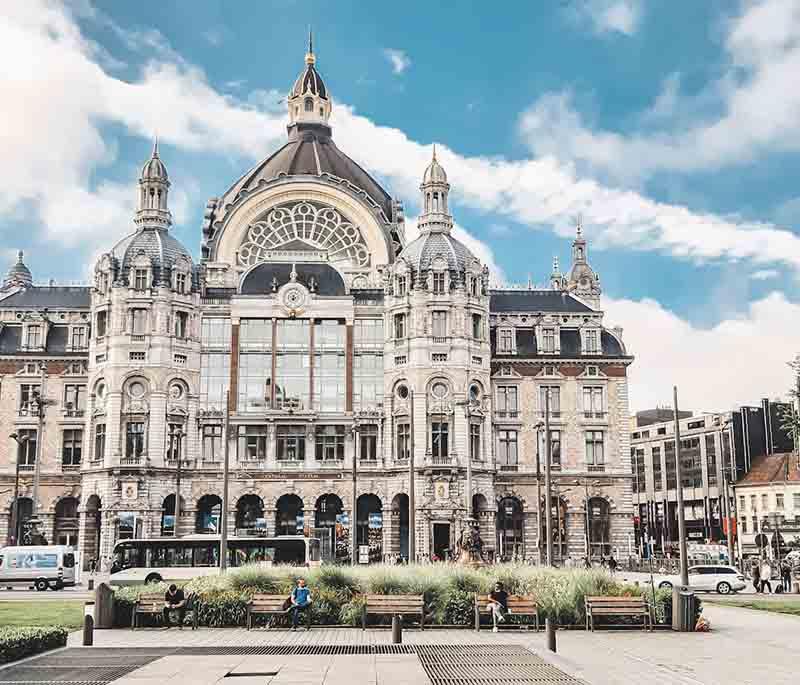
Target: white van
(42, 567)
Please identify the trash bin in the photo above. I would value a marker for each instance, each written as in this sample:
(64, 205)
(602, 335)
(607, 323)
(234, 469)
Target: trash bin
(684, 608)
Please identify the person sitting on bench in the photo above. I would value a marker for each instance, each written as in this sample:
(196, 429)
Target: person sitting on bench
(174, 600)
(498, 603)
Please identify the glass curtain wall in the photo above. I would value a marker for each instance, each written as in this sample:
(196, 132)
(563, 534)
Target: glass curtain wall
(329, 366)
(292, 367)
(255, 365)
(215, 359)
(367, 364)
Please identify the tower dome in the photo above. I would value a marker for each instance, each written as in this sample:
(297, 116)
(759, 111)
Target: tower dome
(308, 100)
(154, 169)
(434, 173)
(19, 275)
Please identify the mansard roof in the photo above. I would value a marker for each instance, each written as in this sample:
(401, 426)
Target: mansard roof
(570, 346)
(502, 301)
(50, 296)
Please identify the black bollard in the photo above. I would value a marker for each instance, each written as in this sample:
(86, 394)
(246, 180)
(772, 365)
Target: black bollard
(88, 630)
(397, 630)
(550, 634)
(91, 584)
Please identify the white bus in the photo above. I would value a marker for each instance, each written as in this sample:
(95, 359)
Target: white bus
(156, 559)
(39, 566)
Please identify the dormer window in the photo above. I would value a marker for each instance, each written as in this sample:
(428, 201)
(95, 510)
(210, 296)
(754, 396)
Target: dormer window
(548, 340)
(140, 279)
(591, 340)
(505, 340)
(33, 337)
(79, 337)
(309, 105)
(180, 284)
(438, 283)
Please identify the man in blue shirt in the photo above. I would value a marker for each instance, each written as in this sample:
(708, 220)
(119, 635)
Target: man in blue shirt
(301, 601)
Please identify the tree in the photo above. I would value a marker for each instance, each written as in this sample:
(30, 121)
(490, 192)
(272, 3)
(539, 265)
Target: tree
(790, 417)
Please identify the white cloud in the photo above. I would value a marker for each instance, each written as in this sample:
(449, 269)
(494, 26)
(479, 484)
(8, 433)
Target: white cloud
(714, 368)
(765, 274)
(752, 107)
(608, 16)
(399, 60)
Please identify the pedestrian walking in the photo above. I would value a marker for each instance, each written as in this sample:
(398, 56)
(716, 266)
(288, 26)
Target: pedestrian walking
(755, 574)
(786, 576)
(766, 576)
(92, 566)
(612, 564)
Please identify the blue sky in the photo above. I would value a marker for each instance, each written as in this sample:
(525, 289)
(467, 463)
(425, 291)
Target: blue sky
(671, 128)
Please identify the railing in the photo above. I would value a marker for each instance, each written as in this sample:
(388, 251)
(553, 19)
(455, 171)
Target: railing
(74, 413)
(130, 461)
(596, 468)
(26, 467)
(137, 338)
(507, 414)
(509, 467)
(441, 460)
(185, 463)
(553, 414)
(440, 339)
(290, 463)
(70, 467)
(594, 414)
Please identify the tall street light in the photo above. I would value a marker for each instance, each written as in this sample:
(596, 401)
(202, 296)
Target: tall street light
(38, 404)
(223, 535)
(538, 428)
(175, 436)
(13, 528)
(679, 477)
(547, 485)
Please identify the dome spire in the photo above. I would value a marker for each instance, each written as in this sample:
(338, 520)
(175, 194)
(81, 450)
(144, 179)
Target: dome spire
(19, 275)
(308, 101)
(435, 216)
(153, 210)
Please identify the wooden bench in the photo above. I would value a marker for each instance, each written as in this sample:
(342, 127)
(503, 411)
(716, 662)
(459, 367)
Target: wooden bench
(518, 605)
(393, 605)
(618, 606)
(152, 604)
(270, 605)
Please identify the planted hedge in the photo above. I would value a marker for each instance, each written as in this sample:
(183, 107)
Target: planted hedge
(17, 643)
(448, 591)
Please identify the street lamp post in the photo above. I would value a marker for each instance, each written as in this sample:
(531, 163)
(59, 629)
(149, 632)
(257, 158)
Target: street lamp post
(679, 490)
(223, 525)
(38, 405)
(13, 528)
(538, 428)
(176, 435)
(353, 546)
(547, 486)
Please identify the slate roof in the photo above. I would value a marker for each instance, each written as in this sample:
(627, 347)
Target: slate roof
(57, 339)
(50, 296)
(421, 252)
(310, 151)
(157, 243)
(259, 280)
(535, 301)
(771, 468)
(570, 345)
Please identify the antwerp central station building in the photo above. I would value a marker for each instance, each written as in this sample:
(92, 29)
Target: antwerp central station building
(340, 346)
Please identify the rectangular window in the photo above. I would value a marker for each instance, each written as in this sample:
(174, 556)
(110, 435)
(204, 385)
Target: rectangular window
(34, 337)
(744, 524)
(639, 478)
(555, 448)
(216, 332)
(593, 402)
(548, 340)
(99, 441)
(136, 356)
(694, 425)
(403, 442)
(475, 441)
(796, 503)
(438, 357)
(290, 443)
(439, 324)
(658, 476)
(765, 502)
(176, 439)
(74, 399)
(591, 342)
(507, 448)
(180, 283)
(134, 439)
(368, 443)
(555, 399)
(594, 448)
(329, 443)
(440, 439)
(252, 443)
(181, 325)
(292, 364)
(71, 447)
(401, 286)
(367, 381)
(368, 333)
(671, 464)
(179, 360)
(26, 448)
(140, 279)
(138, 321)
(711, 459)
(475, 286)
(100, 323)
(753, 501)
(778, 500)
(742, 502)
(255, 372)
(27, 393)
(438, 283)
(212, 442)
(506, 340)
(477, 326)
(399, 326)
(507, 401)
(329, 381)
(79, 337)
(691, 464)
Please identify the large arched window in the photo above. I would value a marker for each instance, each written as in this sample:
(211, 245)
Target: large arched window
(66, 523)
(289, 515)
(209, 508)
(369, 525)
(168, 515)
(328, 522)
(250, 515)
(510, 529)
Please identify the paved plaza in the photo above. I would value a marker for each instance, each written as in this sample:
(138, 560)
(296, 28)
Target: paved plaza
(745, 647)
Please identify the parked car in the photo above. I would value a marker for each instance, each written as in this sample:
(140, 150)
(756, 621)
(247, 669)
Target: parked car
(709, 578)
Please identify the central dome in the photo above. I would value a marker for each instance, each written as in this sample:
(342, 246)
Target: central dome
(421, 253)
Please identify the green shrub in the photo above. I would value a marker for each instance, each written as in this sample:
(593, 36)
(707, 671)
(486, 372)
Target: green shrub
(17, 643)
(459, 608)
(220, 609)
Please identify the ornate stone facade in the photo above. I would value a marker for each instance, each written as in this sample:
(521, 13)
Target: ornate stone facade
(335, 346)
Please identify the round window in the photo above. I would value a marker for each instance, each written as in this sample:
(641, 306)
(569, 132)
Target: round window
(176, 391)
(439, 390)
(136, 389)
(402, 392)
